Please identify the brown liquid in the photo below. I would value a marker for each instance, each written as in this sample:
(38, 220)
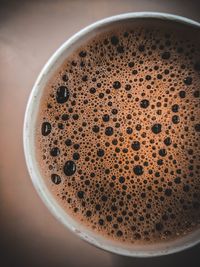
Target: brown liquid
(121, 152)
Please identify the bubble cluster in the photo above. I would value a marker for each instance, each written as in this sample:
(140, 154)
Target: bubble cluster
(118, 137)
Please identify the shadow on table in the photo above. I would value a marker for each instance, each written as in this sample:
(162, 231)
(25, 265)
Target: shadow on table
(187, 258)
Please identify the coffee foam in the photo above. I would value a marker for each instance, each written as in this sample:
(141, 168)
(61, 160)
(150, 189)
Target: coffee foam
(118, 135)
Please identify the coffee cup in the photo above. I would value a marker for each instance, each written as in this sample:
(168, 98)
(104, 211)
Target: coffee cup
(134, 250)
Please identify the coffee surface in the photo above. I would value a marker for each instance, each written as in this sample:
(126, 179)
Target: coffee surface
(118, 135)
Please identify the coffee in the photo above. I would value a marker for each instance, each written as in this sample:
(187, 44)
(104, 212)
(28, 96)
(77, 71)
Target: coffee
(118, 134)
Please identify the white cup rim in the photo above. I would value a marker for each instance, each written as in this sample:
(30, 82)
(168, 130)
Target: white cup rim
(56, 210)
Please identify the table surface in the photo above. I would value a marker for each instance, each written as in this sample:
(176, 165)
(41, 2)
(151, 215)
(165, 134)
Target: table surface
(30, 31)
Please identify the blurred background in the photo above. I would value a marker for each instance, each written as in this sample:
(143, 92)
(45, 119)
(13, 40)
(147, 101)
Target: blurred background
(30, 31)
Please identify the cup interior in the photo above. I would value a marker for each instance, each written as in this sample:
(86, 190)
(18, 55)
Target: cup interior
(144, 19)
